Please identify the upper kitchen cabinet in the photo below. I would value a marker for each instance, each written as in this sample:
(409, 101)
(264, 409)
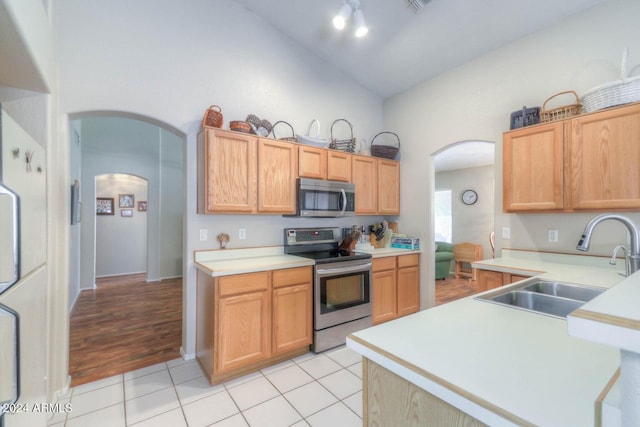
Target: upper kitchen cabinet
(533, 168)
(226, 172)
(604, 160)
(365, 177)
(589, 162)
(388, 187)
(242, 174)
(277, 171)
(338, 166)
(312, 162)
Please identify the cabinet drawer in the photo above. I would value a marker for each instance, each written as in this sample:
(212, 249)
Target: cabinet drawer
(243, 283)
(291, 276)
(386, 263)
(408, 260)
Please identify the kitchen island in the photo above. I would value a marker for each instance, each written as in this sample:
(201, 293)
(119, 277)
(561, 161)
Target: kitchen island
(479, 362)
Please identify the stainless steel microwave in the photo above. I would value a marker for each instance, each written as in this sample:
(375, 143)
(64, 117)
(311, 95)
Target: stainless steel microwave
(319, 198)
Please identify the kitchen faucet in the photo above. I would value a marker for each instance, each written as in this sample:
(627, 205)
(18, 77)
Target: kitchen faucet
(632, 256)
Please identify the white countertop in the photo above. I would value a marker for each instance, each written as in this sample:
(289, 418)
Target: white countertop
(501, 365)
(226, 262)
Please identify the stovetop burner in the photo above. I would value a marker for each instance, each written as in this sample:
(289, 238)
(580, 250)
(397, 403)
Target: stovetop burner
(319, 244)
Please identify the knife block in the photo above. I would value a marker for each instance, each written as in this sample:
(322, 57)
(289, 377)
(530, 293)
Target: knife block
(376, 243)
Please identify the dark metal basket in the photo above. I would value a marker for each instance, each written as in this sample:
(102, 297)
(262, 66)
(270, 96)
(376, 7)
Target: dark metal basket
(525, 117)
(286, 138)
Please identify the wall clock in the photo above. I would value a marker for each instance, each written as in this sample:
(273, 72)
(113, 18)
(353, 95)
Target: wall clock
(469, 197)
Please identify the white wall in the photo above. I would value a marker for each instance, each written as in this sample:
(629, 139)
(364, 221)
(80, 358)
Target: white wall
(474, 101)
(121, 241)
(171, 62)
(470, 223)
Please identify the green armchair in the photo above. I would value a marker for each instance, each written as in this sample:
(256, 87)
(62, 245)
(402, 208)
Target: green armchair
(444, 256)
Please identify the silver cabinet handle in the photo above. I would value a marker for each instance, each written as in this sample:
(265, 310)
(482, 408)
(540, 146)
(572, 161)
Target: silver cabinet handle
(15, 213)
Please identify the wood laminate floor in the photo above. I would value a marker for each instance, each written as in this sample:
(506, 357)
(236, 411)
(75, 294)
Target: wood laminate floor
(123, 325)
(451, 289)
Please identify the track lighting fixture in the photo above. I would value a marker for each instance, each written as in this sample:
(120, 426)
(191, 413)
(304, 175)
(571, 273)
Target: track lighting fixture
(351, 7)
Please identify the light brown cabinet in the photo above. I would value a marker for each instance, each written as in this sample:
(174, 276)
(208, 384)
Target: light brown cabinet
(586, 163)
(338, 166)
(248, 321)
(489, 279)
(396, 287)
(388, 187)
(312, 162)
(226, 172)
(242, 174)
(533, 168)
(365, 178)
(604, 160)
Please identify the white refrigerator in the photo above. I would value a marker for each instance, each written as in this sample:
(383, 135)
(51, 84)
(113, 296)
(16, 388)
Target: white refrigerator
(23, 281)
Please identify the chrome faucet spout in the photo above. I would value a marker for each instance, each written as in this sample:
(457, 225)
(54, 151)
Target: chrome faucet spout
(632, 256)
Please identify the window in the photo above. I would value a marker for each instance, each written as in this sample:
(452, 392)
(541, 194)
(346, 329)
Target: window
(442, 220)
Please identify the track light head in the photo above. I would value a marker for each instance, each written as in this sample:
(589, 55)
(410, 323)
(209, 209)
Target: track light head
(360, 23)
(340, 19)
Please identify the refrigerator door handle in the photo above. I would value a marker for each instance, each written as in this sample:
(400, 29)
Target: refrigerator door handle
(15, 212)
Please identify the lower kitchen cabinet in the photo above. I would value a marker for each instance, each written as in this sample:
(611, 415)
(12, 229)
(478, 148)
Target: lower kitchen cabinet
(248, 321)
(396, 287)
(488, 279)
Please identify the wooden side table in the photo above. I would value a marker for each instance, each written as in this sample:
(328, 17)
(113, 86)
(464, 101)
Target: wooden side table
(466, 252)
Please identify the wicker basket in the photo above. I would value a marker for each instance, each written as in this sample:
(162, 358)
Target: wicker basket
(259, 127)
(212, 117)
(239, 126)
(560, 113)
(385, 151)
(348, 145)
(287, 138)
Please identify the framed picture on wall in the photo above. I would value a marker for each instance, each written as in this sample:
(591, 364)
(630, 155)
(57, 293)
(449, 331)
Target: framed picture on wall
(126, 212)
(126, 201)
(104, 205)
(142, 206)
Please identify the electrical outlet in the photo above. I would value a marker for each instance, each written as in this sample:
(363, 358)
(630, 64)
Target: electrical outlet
(242, 233)
(506, 233)
(203, 235)
(552, 235)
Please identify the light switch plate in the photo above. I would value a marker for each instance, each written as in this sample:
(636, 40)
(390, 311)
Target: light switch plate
(506, 233)
(203, 235)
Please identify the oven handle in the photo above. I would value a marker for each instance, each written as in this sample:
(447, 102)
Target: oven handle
(344, 201)
(339, 270)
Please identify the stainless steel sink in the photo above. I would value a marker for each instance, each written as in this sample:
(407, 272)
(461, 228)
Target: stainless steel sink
(564, 290)
(555, 299)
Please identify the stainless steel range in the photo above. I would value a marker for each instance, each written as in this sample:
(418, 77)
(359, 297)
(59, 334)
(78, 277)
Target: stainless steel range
(341, 288)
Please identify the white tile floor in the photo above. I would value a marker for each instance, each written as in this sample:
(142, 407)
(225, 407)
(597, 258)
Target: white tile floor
(314, 389)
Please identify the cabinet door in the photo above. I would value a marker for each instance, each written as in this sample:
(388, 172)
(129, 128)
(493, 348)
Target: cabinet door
(243, 331)
(338, 166)
(408, 290)
(388, 187)
(312, 162)
(489, 279)
(533, 168)
(604, 160)
(384, 298)
(277, 171)
(226, 172)
(292, 317)
(365, 178)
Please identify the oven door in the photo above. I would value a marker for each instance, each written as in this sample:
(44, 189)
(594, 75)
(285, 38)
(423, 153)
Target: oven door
(342, 292)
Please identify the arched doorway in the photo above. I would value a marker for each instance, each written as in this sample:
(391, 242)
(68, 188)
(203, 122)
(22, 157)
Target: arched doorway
(464, 168)
(137, 163)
